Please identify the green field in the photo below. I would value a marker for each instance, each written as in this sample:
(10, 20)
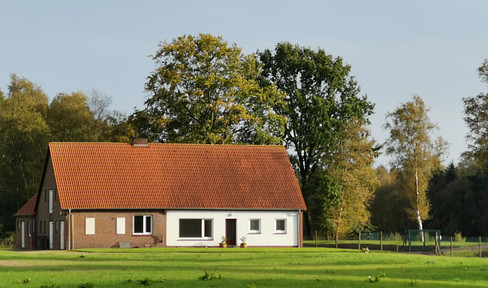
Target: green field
(235, 267)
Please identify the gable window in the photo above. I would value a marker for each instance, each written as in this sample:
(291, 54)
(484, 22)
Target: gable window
(196, 228)
(255, 226)
(90, 226)
(280, 226)
(143, 224)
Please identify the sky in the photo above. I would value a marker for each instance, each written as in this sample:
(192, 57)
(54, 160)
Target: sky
(396, 49)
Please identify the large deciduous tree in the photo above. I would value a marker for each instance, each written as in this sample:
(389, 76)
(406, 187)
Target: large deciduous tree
(321, 99)
(206, 91)
(476, 118)
(70, 119)
(352, 167)
(23, 141)
(414, 153)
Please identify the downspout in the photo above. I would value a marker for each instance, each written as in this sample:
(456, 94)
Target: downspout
(69, 229)
(298, 229)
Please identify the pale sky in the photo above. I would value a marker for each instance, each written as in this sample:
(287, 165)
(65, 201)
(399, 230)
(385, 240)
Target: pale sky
(396, 48)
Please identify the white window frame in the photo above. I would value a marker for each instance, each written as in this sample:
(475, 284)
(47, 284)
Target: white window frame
(252, 231)
(202, 229)
(120, 226)
(90, 226)
(144, 222)
(276, 226)
(51, 201)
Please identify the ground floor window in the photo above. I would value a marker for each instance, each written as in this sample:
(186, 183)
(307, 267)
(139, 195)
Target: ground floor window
(142, 224)
(195, 228)
(281, 226)
(255, 226)
(90, 226)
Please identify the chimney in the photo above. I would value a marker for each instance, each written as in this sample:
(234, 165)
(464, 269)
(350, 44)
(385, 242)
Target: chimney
(140, 142)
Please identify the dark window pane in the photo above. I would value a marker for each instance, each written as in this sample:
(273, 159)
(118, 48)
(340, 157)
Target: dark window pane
(255, 225)
(280, 225)
(148, 224)
(190, 227)
(138, 224)
(208, 228)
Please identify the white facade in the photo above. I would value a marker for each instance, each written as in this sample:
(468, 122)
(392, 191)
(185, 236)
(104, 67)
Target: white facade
(205, 228)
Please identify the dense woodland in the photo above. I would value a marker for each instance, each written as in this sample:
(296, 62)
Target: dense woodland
(205, 90)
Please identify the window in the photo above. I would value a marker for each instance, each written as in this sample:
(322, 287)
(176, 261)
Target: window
(281, 226)
(51, 197)
(255, 226)
(143, 224)
(196, 228)
(120, 225)
(90, 226)
(31, 228)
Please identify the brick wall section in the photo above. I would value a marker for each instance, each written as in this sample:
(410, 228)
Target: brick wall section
(105, 229)
(44, 217)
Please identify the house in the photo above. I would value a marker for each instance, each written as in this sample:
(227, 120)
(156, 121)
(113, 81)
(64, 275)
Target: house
(95, 195)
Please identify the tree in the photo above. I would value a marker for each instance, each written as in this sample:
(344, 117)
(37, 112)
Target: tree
(70, 119)
(352, 168)
(389, 206)
(321, 98)
(415, 155)
(476, 118)
(99, 105)
(205, 91)
(23, 143)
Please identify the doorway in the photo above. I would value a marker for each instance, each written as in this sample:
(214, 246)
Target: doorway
(230, 231)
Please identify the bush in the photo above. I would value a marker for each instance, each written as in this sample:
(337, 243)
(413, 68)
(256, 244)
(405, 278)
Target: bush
(8, 241)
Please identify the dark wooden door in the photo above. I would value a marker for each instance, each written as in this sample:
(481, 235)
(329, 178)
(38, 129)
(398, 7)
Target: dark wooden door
(230, 231)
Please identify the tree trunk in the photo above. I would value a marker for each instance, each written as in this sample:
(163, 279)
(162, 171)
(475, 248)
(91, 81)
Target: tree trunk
(419, 218)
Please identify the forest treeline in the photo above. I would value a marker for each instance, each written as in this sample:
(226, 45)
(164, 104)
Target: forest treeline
(204, 90)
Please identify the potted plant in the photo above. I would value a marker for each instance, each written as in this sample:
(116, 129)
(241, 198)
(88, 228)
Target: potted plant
(243, 244)
(223, 244)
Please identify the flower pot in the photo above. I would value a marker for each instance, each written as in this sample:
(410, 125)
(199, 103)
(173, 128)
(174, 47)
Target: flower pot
(243, 245)
(223, 245)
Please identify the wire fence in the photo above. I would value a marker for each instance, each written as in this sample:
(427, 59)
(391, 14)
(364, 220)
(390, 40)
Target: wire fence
(415, 241)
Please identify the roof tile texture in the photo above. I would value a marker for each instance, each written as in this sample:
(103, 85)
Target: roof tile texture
(29, 209)
(123, 176)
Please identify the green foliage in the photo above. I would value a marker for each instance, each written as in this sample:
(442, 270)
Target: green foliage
(415, 155)
(321, 101)
(210, 276)
(376, 278)
(23, 142)
(206, 91)
(70, 119)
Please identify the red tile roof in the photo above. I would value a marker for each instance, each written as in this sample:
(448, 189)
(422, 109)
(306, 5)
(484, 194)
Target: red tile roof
(29, 209)
(123, 176)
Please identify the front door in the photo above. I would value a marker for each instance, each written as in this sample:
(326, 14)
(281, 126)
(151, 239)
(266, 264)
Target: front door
(230, 231)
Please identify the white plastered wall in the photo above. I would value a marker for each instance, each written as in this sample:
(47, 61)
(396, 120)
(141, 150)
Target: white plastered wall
(268, 235)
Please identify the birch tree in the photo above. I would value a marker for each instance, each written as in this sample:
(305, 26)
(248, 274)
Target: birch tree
(414, 153)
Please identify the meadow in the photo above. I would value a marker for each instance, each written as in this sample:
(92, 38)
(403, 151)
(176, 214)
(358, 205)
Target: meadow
(236, 267)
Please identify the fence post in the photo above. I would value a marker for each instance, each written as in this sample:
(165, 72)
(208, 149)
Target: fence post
(452, 252)
(316, 239)
(359, 241)
(381, 240)
(436, 247)
(480, 245)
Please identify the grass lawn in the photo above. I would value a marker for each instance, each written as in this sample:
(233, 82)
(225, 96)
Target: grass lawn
(235, 267)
